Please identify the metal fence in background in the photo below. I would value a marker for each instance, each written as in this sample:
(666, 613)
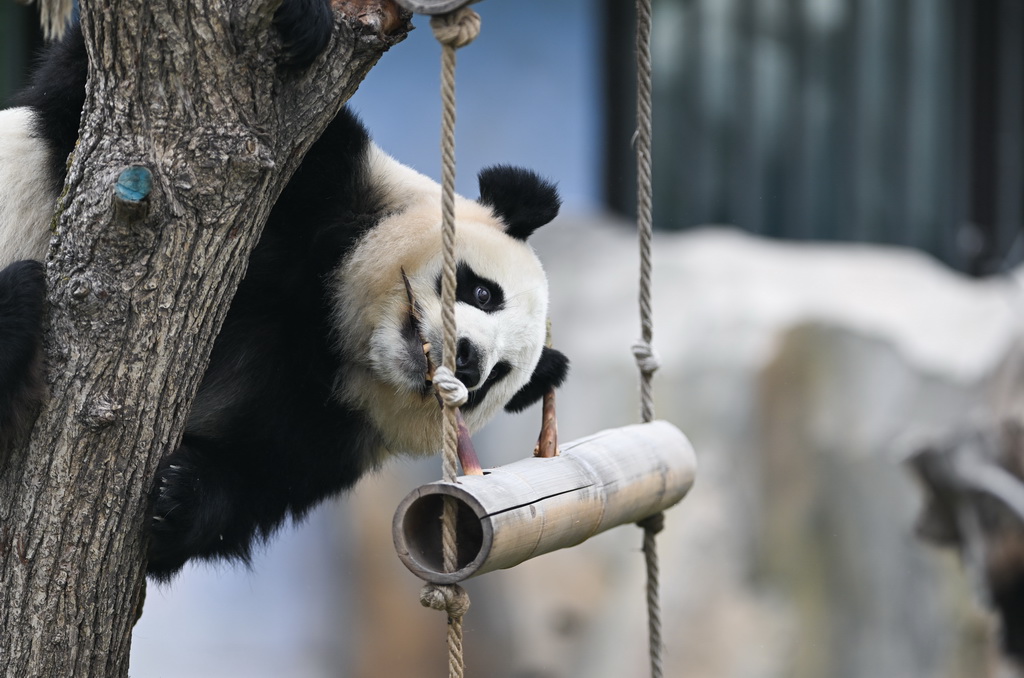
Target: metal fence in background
(892, 121)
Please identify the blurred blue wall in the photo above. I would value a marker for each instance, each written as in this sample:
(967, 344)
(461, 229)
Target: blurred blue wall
(528, 94)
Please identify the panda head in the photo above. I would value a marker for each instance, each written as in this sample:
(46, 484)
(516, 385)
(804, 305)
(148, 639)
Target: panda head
(501, 303)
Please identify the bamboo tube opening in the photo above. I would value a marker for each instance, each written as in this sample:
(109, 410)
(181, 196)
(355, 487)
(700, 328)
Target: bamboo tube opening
(421, 530)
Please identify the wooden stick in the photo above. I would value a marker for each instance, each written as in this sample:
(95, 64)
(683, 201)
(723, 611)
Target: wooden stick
(547, 441)
(537, 505)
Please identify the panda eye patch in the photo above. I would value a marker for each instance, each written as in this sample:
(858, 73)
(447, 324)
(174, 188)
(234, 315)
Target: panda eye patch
(476, 290)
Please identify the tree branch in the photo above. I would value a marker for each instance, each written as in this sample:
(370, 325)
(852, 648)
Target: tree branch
(190, 94)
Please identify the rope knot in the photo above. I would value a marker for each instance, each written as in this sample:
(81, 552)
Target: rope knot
(653, 524)
(456, 29)
(450, 598)
(452, 391)
(646, 358)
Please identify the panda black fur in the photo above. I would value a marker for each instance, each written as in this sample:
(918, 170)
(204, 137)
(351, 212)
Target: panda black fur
(317, 374)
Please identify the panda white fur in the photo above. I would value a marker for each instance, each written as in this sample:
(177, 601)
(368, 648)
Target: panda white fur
(318, 373)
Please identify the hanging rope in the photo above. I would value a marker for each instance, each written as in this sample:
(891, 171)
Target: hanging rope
(454, 30)
(643, 351)
(651, 527)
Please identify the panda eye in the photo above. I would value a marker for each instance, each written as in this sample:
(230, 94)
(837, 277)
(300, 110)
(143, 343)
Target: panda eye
(482, 295)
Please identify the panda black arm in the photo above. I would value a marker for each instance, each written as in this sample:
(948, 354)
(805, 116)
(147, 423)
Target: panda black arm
(276, 448)
(278, 454)
(22, 294)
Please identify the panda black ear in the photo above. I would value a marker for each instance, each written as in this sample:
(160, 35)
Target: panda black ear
(549, 373)
(523, 200)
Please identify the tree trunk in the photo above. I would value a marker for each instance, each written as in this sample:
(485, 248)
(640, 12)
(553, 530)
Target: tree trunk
(138, 289)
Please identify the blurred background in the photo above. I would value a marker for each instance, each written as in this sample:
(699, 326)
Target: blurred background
(839, 198)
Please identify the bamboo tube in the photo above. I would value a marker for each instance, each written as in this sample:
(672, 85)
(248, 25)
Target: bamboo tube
(537, 505)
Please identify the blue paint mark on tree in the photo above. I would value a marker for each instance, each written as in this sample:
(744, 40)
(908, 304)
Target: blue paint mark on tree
(134, 184)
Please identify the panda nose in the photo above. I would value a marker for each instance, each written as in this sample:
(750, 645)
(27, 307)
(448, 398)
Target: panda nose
(467, 363)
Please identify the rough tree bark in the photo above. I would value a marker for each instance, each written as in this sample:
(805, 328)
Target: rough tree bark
(137, 291)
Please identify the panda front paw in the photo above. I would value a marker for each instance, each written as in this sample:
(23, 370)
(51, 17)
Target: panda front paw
(191, 516)
(172, 526)
(305, 27)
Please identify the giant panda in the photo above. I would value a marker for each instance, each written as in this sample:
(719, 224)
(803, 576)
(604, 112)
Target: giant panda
(318, 374)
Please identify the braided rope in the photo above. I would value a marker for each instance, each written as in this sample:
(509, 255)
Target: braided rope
(454, 30)
(453, 600)
(447, 31)
(452, 391)
(651, 527)
(643, 351)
